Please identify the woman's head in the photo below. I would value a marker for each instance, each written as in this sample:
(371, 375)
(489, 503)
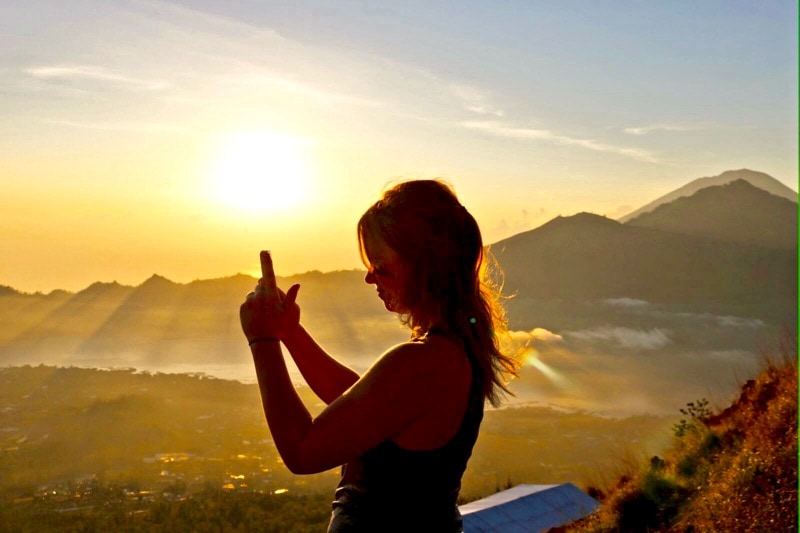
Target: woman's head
(387, 272)
(425, 247)
(425, 254)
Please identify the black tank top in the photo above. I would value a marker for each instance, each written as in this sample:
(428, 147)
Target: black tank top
(390, 488)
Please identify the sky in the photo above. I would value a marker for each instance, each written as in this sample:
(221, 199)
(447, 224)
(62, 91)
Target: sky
(180, 138)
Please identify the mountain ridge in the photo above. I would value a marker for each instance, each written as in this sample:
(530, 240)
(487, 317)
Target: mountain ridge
(755, 178)
(591, 256)
(736, 211)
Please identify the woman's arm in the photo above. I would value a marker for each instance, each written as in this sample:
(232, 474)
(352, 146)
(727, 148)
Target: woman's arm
(399, 389)
(326, 376)
(287, 416)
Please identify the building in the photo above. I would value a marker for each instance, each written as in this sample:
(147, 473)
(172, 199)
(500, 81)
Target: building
(528, 508)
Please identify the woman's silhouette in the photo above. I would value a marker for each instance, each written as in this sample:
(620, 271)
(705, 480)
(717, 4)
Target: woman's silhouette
(405, 429)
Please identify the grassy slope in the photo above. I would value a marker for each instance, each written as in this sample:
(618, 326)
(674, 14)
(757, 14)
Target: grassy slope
(733, 471)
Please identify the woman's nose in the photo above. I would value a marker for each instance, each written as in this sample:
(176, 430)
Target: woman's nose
(370, 277)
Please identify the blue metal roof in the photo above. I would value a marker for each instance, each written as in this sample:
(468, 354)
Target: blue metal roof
(528, 508)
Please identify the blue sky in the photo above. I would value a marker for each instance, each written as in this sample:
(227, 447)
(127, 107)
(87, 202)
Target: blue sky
(119, 109)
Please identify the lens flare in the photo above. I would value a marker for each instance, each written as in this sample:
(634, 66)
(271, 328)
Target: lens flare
(555, 377)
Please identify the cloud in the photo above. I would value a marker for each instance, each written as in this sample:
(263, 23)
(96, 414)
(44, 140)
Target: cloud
(92, 72)
(506, 228)
(729, 355)
(738, 322)
(307, 90)
(142, 127)
(536, 334)
(196, 53)
(723, 321)
(501, 129)
(626, 337)
(475, 100)
(544, 335)
(644, 130)
(626, 302)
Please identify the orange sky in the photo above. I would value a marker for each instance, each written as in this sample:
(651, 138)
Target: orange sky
(181, 140)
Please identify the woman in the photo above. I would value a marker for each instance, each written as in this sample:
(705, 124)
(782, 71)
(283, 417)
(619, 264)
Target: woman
(405, 429)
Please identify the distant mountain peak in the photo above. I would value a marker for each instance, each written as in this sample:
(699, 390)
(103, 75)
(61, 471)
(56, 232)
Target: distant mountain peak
(742, 174)
(736, 211)
(99, 285)
(757, 179)
(5, 290)
(157, 280)
(583, 219)
(592, 218)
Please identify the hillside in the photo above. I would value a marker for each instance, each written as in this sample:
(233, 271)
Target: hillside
(734, 212)
(757, 179)
(732, 471)
(194, 323)
(587, 256)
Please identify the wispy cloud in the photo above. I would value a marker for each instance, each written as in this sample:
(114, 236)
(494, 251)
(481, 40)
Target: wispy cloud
(644, 130)
(306, 90)
(626, 337)
(475, 100)
(511, 225)
(96, 73)
(626, 302)
(738, 322)
(536, 334)
(272, 58)
(722, 321)
(141, 127)
(501, 129)
(730, 355)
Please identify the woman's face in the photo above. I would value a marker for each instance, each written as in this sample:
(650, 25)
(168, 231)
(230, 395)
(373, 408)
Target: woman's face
(387, 273)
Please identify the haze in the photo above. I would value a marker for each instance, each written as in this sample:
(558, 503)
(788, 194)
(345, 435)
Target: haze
(136, 135)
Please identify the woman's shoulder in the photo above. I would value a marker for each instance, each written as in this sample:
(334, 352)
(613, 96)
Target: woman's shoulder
(431, 354)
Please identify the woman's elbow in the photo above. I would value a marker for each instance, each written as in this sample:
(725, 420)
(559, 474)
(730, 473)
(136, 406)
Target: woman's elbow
(301, 464)
(301, 468)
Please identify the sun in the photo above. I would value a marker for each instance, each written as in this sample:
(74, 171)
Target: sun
(261, 171)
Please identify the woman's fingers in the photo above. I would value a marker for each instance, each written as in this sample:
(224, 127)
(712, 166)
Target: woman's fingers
(291, 296)
(267, 272)
(267, 310)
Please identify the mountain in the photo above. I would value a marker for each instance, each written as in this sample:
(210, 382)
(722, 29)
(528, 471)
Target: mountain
(61, 323)
(5, 290)
(757, 179)
(734, 212)
(586, 256)
(161, 322)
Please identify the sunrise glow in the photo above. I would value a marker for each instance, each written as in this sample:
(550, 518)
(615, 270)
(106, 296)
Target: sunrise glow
(260, 171)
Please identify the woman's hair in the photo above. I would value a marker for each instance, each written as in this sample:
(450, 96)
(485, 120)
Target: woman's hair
(450, 283)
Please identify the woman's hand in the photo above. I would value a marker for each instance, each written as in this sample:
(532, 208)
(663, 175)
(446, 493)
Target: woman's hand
(268, 312)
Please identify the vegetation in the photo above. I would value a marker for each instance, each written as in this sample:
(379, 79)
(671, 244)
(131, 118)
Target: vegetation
(212, 510)
(733, 471)
(114, 450)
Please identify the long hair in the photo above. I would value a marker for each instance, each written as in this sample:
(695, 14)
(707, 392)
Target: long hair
(451, 285)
